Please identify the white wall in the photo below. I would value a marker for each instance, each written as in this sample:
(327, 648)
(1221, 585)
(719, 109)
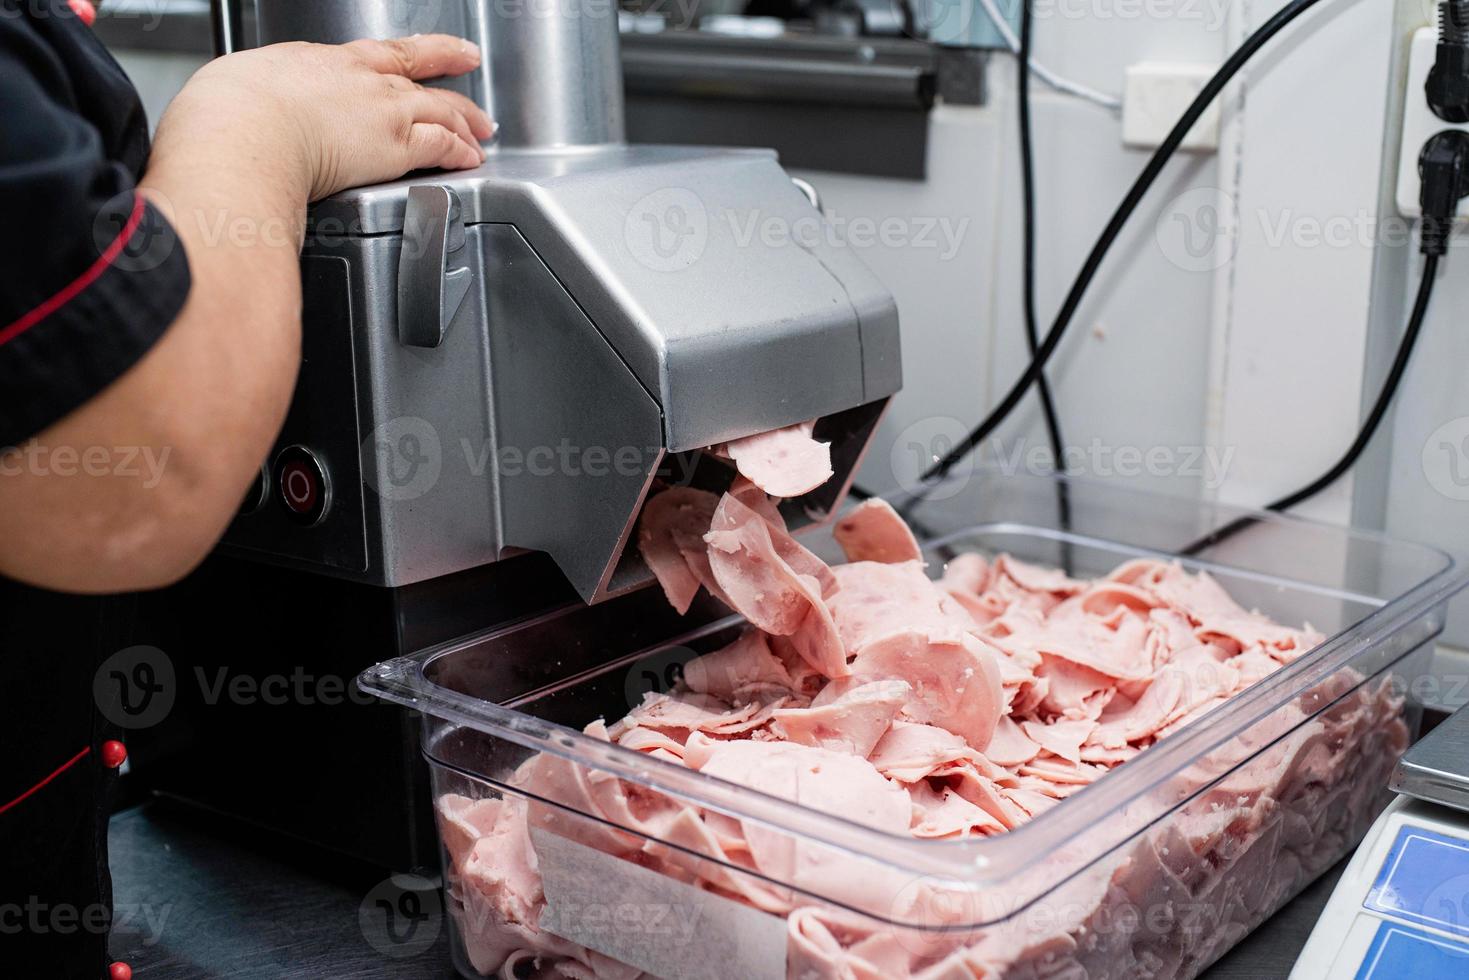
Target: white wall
(1259, 355)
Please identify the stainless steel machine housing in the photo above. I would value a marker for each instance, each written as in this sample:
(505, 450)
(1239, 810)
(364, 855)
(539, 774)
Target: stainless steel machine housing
(551, 334)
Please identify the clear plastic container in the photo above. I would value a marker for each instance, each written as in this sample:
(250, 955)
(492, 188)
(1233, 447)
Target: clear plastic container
(1156, 869)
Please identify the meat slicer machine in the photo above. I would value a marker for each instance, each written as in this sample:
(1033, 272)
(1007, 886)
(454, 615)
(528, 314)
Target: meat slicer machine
(498, 367)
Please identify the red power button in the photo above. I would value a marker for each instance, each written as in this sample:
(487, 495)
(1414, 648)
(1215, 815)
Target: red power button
(302, 485)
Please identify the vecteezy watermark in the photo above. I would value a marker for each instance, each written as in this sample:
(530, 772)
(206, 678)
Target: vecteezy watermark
(35, 458)
(420, 17)
(409, 455)
(135, 688)
(566, 458)
(1197, 231)
(37, 917)
(667, 230)
(660, 673)
(401, 917)
(408, 458)
(139, 687)
(1446, 459)
(922, 444)
(1207, 464)
(928, 440)
(1212, 15)
(1201, 230)
(942, 234)
(667, 922)
(299, 687)
(959, 18)
(149, 11)
(671, 229)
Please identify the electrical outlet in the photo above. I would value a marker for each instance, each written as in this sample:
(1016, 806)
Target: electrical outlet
(1419, 123)
(1156, 94)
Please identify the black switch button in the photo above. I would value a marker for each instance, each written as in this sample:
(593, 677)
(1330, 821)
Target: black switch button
(303, 485)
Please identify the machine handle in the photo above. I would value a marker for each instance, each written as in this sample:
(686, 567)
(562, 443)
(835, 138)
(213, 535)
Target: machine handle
(429, 291)
(226, 22)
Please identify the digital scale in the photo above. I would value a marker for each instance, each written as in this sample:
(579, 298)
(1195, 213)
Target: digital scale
(1401, 909)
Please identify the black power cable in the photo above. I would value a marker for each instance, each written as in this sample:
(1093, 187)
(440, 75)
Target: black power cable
(1443, 169)
(1032, 330)
(1140, 187)
(1364, 436)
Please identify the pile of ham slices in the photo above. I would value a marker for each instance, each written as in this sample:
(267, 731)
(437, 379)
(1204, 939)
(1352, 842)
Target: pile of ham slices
(941, 709)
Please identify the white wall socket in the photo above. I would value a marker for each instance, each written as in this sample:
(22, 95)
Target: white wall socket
(1156, 94)
(1419, 123)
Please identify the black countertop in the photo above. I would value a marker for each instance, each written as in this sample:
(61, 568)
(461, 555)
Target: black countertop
(197, 898)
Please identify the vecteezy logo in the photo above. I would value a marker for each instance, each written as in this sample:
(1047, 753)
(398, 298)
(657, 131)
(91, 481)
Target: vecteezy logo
(417, 17)
(134, 688)
(402, 916)
(133, 248)
(923, 444)
(659, 673)
(1448, 904)
(408, 459)
(934, 18)
(667, 230)
(1196, 232)
(1446, 459)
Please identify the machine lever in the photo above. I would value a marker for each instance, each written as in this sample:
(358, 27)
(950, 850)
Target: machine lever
(226, 22)
(429, 291)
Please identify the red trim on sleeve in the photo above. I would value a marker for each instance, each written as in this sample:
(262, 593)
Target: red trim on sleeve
(74, 289)
(42, 784)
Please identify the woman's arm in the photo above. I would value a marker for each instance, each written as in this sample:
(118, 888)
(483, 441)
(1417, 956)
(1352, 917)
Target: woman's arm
(240, 152)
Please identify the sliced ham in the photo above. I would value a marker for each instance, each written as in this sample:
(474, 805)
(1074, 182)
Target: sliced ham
(672, 525)
(1010, 746)
(910, 752)
(956, 686)
(783, 462)
(744, 671)
(937, 711)
(852, 722)
(1063, 737)
(944, 813)
(873, 531)
(775, 583)
(875, 600)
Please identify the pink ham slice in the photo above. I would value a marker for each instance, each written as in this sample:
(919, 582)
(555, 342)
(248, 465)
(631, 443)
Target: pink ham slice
(759, 501)
(689, 712)
(944, 813)
(744, 671)
(873, 531)
(1034, 578)
(672, 527)
(747, 552)
(852, 722)
(833, 782)
(649, 740)
(875, 601)
(1063, 738)
(784, 462)
(910, 751)
(775, 583)
(1010, 746)
(968, 573)
(462, 821)
(956, 686)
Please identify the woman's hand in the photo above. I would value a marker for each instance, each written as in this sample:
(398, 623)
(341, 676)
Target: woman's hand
(338, 116)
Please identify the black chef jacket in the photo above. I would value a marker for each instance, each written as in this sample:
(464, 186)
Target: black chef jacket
(91, 276)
